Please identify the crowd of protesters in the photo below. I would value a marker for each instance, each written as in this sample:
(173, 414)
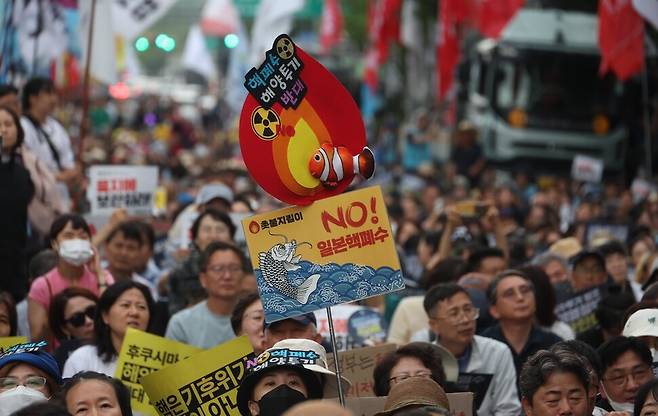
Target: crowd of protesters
(539, 294)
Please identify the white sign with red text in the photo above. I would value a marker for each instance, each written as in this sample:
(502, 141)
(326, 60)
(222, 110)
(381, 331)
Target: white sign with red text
(122, 186)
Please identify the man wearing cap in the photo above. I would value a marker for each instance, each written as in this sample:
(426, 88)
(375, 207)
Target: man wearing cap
(299, 327)
(28, 374)
(588, 270)
(208, 323)
(288, 373)
(487, 362)
(643, 324)
(512, 299)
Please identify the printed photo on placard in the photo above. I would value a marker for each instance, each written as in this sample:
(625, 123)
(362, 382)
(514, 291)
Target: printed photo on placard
(338, 250)
(301, 133)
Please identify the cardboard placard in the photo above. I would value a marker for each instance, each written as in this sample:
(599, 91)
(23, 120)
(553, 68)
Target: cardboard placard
(6, 342)
(204, 384)
(357, 365)
(338, 250)
(461, 404)
(294, 106)
(122, 186)
(587, 169)
(140, 355)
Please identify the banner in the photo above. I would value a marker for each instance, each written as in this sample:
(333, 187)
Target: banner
(337, 250)
(205, 384)
(357, 365)
(6, 342)
(578, 309)
(354, 326)
(122, 186)
(140, 355)
(587, 169)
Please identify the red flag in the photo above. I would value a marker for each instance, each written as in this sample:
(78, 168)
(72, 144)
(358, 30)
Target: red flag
(331, 27)
(447, 51)
(621, 38)
(494, 15)
(384, 28)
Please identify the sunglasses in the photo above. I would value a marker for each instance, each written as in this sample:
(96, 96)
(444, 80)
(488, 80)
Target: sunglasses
(79, 318)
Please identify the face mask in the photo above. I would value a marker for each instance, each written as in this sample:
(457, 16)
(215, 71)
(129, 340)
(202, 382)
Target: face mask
(76, 251)
(620, 407)
(18, 398)
(277, 401)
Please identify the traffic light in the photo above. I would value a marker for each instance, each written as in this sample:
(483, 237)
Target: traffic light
(142, 44)
(165, 42)
(231, 40)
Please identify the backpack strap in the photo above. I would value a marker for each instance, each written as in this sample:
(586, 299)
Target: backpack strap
(42, 133)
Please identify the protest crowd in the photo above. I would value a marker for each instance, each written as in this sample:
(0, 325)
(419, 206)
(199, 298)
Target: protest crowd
(522, 291)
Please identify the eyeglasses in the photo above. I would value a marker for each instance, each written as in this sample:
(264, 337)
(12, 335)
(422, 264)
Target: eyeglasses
(79, 318)
(403, 376)
(31, 382)
(454, 315)
(221, 269)
(512, 291)
(638, 374)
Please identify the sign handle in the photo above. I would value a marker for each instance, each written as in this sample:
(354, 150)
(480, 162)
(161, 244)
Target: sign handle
(332, 333)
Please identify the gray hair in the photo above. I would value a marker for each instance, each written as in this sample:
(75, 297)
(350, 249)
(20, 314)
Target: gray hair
(543, 364)
(544, 259)
(493, 286)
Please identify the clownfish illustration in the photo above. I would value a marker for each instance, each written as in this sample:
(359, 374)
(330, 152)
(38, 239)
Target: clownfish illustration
(331, 164)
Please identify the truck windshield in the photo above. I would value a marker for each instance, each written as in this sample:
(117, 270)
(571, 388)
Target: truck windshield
(556, 90)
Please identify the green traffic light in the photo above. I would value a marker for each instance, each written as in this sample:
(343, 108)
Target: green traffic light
(231, 40)
(142, 44)
(165, 42)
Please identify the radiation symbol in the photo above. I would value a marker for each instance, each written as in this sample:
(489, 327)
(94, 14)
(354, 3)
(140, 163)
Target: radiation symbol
(264, 122)
(285, 48)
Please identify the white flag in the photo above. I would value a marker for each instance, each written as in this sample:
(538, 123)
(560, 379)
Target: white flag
(103, 64)
(273, 18)
(647, 9)
(133, 17)
(41, 31)
(219, 18)
(196, 56)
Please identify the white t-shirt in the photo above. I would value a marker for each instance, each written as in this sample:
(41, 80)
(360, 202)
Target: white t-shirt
(37, 143)
(86, 358)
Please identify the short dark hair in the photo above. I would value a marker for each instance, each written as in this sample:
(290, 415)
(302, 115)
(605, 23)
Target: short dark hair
(651, 293)
(130, 231)
(584, 350)
(493, 286)
(102, 331)
(36, 86)
(440, 292)
(120, 390)
(425, 352)
(49, 408)
(650, 387)
(612, 247)
(216, 215)
(610, 351)
(7, 300)
(543, 364)
(6, 89)
(446, 271)
(147, 231)
(58, 306)
(477, 256)
(611, 309)
(20, 133)
(545, 304)
(221, 246)
(236, 316)
(77, 222)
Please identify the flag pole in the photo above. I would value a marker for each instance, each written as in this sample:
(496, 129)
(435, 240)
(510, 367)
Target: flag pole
(85, 81)
(332, 333)
(647, 121)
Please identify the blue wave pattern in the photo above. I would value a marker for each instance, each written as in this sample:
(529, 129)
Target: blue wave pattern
(338, 284)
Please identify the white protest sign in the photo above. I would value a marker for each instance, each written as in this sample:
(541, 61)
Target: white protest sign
(587, 169)
(647, 9)
(122, 186)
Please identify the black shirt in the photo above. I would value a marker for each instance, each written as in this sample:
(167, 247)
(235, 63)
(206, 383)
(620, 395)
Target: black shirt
(538, 340)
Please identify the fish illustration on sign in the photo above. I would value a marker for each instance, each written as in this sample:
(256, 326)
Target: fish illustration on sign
(277, 262)
(332, 164)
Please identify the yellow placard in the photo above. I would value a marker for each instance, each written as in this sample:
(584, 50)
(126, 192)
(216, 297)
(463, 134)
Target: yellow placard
(337, 250)
(6, 342)
(204, 384)
(142, 354)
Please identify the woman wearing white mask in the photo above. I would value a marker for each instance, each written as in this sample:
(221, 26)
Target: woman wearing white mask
(28, 375)
(78, 265)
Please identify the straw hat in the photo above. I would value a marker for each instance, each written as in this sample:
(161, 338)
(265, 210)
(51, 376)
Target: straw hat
(306, 357)
(566, 247)
(415, 392)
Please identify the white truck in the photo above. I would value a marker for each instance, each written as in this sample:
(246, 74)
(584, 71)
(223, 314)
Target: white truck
(536, 92)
